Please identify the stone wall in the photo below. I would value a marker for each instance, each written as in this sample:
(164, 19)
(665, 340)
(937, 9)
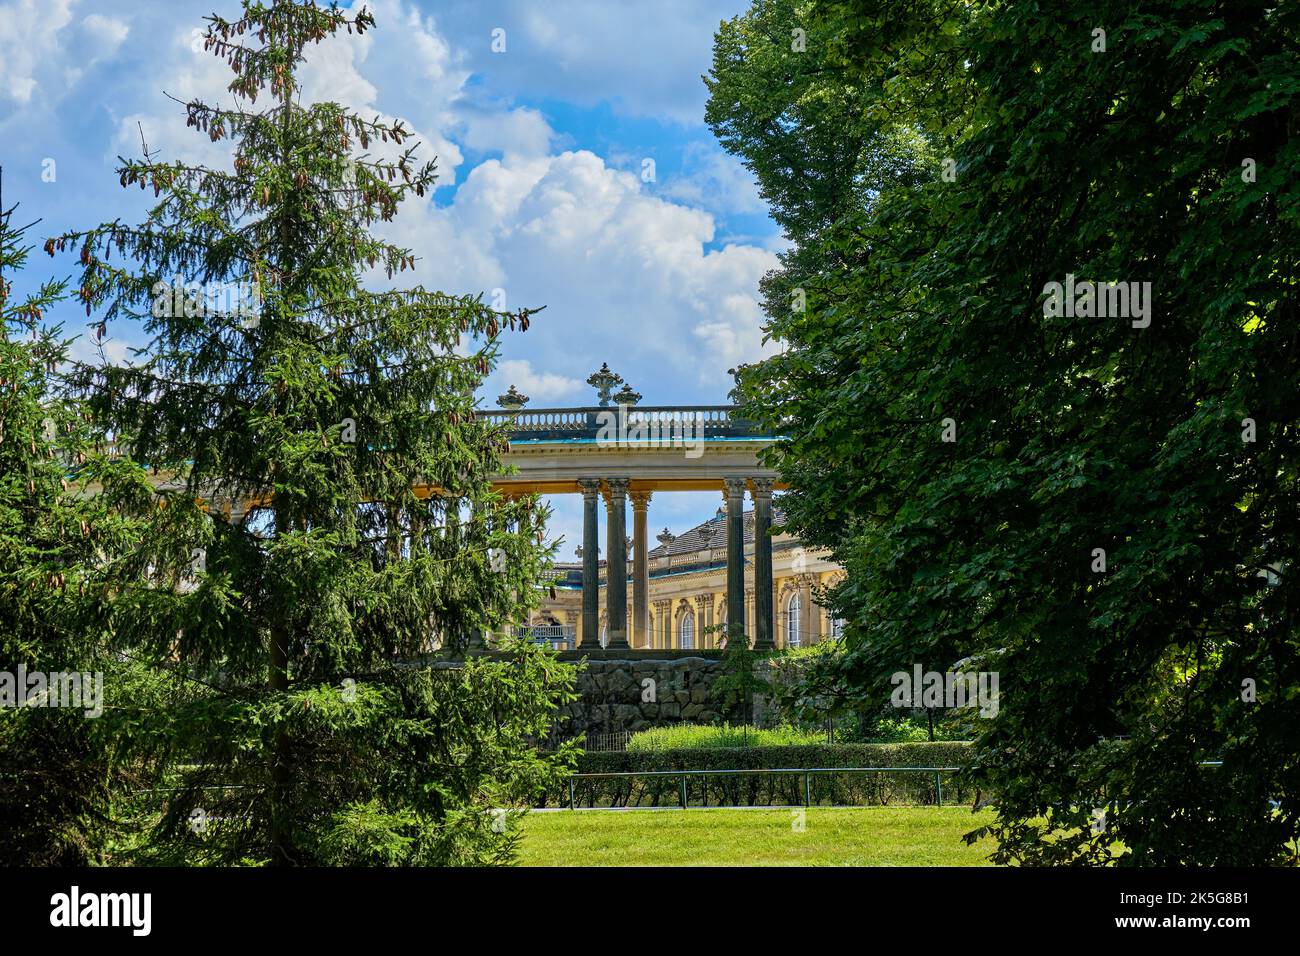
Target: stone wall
(619, 695)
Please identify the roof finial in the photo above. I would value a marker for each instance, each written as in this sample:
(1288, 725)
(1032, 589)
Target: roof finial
(512, 400)
(603, 380)
(627, 395)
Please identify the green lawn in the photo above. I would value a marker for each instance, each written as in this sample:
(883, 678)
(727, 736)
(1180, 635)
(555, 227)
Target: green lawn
(842, 836)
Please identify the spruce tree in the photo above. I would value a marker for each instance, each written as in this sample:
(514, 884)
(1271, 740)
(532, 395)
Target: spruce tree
(57, 767)
(325, 513)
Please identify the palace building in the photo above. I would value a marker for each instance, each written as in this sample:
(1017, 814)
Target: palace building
(687, 592)
(682, 594)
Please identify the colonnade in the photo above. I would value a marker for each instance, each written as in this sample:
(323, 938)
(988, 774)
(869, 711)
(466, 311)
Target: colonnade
(616, 493)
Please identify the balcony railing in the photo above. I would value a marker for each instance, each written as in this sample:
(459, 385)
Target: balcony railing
(651, 423)
(560, 637)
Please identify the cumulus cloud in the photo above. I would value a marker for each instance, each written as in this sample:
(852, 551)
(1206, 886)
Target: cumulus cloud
(716, 181)
(629, 272)
(644, 59)
(623, 272)
(44, 49)
(541, 387)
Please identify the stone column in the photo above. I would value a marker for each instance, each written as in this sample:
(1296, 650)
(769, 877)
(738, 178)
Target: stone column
(590, 636)
(735, 497)
(616, 563)
(764, 620)
(640, 570)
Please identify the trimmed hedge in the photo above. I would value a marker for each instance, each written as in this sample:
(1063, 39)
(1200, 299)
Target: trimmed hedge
(841, 789)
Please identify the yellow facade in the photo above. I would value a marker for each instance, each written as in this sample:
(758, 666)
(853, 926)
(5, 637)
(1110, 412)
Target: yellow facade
(687, 593)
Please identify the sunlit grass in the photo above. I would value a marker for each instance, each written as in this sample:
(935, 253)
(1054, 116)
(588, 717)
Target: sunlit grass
(831, 836)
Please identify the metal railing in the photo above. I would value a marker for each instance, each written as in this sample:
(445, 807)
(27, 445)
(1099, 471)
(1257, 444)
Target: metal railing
(658, 421)
(559, 637)
(616, 741)
(806, 772)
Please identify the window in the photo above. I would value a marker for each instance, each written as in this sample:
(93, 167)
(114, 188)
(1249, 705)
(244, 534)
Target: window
(794, 611)
(686, 630)
(837, 628)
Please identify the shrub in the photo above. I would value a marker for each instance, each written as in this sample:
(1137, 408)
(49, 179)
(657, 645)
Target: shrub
(772, 789)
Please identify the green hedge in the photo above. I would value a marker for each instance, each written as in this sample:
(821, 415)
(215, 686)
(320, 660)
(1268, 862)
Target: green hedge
(844, 789)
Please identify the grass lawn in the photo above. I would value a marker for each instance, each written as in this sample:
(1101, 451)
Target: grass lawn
(839, 836)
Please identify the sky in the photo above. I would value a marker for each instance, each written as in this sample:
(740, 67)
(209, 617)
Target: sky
(575, 172)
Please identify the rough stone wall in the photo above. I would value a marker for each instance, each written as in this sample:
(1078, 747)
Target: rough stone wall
(616, 695)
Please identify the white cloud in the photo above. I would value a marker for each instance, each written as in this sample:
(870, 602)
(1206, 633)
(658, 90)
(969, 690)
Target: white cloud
(113, 349)
(643, 58)
(109, 31)
(43, 53)
(540, 387)
(190, 74)
(625, 277)
(715, 180)
(628, 271)
(521, 133)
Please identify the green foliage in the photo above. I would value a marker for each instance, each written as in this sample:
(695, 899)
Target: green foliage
(809, 686)
(364, 834)
(56, 764)
(743, 677)
(772, 789)
(691, 736)
(314, 492)
(925, 303)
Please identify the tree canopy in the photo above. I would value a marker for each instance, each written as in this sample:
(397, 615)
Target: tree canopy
(1100, 507)
(314, 486)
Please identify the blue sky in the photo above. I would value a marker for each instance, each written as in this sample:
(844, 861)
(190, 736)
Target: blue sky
(541, 150)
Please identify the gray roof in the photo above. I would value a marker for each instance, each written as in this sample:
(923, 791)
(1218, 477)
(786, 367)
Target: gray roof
(713, 531)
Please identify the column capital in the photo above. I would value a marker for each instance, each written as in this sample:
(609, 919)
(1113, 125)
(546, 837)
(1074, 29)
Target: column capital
(640, 499)
(618, 486)
(733, 488)
(762, 488)
(590, 487)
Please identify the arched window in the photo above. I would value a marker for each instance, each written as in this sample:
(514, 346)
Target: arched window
(686, 630)
(794, 610)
